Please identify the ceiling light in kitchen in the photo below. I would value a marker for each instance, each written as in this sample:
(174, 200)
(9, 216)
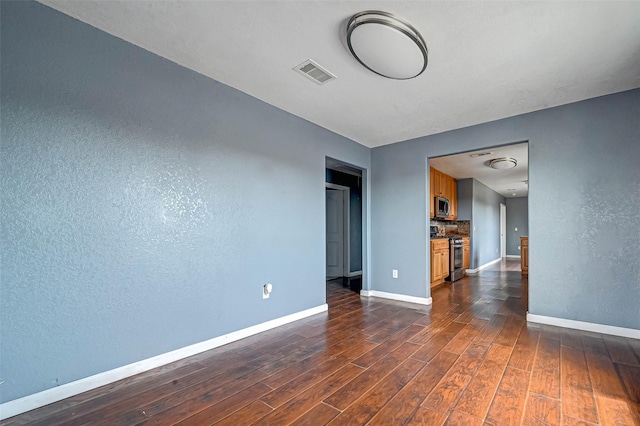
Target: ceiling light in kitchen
(386, 45)
(503, 163)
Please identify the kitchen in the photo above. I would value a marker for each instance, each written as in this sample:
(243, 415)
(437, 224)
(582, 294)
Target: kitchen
(478, 211)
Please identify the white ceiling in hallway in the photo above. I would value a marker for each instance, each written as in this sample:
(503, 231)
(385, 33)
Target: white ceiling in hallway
(487, 59)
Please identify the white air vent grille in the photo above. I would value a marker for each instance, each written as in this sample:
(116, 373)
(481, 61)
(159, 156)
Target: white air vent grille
(314, 72)
(480, 154)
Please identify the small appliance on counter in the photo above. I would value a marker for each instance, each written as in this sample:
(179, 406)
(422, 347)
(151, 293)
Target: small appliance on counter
(434, 233)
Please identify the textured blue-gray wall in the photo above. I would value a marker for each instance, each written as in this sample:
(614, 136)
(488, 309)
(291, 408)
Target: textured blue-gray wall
(517, 217)
(143, 205)
(465, 199)
(485, 224)
(584, 199)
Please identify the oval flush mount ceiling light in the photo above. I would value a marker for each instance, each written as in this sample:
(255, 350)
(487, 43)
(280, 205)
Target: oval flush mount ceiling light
(503, 163)
(386, 45)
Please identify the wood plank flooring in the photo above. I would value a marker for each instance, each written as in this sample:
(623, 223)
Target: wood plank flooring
(469, 359)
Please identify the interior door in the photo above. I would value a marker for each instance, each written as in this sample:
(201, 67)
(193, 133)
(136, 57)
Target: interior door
(335, 232)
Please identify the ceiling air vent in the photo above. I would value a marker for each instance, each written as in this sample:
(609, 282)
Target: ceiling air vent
(314, 72)
(480, 154)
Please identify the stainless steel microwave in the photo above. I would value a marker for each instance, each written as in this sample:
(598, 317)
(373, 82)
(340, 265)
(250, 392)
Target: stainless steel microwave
(441, 209)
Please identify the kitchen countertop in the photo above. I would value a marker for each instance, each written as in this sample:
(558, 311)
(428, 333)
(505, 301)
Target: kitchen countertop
(442, 237)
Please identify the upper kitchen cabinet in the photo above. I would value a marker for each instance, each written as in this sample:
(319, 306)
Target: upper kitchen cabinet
(443, 185)
(452, 195)
(432, 182)
(439, 183)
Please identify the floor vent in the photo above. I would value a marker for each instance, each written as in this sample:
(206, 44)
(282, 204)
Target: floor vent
(314, 72)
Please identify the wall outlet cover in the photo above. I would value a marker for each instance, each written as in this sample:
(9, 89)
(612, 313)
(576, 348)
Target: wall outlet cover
(266, 290)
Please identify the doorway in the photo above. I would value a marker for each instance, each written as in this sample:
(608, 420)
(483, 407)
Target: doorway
(345, 224)
(488, 198)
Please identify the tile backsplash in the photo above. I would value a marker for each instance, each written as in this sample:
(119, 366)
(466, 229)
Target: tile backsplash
(452, 227)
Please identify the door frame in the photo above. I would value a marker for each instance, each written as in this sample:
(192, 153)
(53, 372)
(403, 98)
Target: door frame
(346, 214)
(503, 230)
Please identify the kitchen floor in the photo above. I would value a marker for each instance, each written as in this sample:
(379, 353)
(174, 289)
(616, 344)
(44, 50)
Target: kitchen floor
(468, 359)
(506, 264)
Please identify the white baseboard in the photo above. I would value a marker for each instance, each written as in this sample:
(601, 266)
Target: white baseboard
(396, 296)
(36, 400)
(355, 273)
(480, 268)
(585, 326)
(513, 256)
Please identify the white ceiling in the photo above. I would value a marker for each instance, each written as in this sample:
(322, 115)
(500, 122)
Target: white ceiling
(487, 59)
(504, 182)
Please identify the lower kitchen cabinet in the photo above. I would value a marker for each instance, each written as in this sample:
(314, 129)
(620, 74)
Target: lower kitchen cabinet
(466, 253)
(524, 255)
(439, 261)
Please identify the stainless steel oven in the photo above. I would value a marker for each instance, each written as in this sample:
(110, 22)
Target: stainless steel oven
(455, 259)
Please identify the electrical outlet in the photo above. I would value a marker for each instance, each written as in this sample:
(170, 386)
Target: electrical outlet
(518, 247)
(516, 229)
(394, 273)
(266, 290)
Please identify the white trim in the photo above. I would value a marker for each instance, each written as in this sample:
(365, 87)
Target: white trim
(503, 230)
(36, 400)
(355, 273)
(475, 271)
(585, 326)
(513, 256)
(396, 296)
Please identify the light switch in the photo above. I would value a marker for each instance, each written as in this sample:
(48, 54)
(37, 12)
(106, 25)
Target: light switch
(516, 229)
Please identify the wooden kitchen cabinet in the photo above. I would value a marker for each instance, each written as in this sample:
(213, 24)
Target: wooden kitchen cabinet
(432, 182)
(438, 183)
(439, 261)
(524, 255)
(452, 196)
(443, 185)
(466, 253)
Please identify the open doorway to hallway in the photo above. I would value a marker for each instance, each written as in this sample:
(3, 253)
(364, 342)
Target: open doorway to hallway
(344, 224)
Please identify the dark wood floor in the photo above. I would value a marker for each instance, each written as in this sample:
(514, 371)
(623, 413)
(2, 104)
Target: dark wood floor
(469, 359)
